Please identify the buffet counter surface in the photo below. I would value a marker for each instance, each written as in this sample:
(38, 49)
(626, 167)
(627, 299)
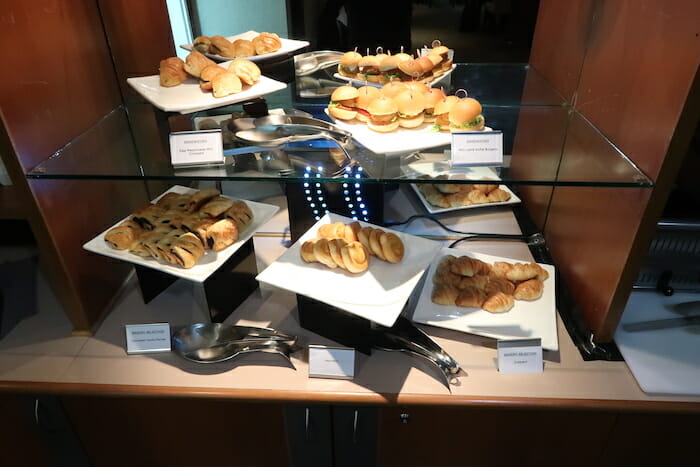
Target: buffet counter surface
(41, 356)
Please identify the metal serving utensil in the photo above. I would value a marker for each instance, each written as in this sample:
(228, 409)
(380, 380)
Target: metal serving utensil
(277, 130)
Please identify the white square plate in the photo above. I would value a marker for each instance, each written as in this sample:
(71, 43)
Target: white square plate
(399, 141)
(288, 46)
(206, 265)
(469, 173)
(359, 82)
(525, 320)
(188, 97)
(378, 294)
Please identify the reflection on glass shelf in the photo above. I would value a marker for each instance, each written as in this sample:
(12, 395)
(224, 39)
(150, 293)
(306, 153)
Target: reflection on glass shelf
(545, 141)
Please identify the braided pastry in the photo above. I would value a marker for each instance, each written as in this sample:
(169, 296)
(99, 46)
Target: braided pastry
(123, 236)
(336, 253)
(240, 213)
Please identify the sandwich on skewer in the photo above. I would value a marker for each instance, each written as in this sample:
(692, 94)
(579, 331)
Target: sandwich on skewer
(343, 102)
(465, 115)
(383, 115)
(434, 96)
(348, 65)
(366, 95)
(410, 105)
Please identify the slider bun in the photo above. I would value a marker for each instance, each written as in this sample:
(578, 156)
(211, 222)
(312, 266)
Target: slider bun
(366, 94)
(390, 62)
(383, 128)
(440, 50)
(393, 88)
(411, 68)
(412, 122)
(433, 96)
(340, 113)
(368, 60)
(425, 64)
(382, 105)
(377, 79)
(344, 93)
(465, 110)
(350, 58)
(402, 57)
(435, 59)
(445, 105)
(410, 103)
(417, 86)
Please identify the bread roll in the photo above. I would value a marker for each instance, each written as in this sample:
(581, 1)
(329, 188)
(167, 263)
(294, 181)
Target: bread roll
(221, 46)
(172, 72)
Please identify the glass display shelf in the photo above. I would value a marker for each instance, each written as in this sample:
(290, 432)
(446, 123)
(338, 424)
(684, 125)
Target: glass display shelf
(546, 142)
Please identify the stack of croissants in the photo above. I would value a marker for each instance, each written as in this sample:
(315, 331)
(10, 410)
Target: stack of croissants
(349, 246)
(452, 195)
(469, 282)
(220, 81)
(263, 43)
(179, 228)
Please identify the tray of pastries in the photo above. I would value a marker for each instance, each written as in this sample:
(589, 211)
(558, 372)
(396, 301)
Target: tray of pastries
(490, 296)
(361, 268)
(252, 45)
(185, 232)
(198, 83)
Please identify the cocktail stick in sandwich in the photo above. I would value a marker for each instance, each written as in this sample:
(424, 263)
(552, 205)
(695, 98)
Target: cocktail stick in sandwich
(442, 111)
(348, 64)
(410, 105)
(383, 115)
(369, 70)
(465, 115)
(343, 102)
(367, 94)
(434, 96)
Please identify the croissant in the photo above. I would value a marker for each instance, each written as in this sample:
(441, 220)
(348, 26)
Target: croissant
(433, 196)
(386, 246)
(123, 236)
(498, 303)
(348, 232)
(444, 294)
(470, 297)
(498, 196)
(186, 250)
(485, 188)
(243, 48)
(523, 271)
(458, 199)
(529, 290)
(479, 281)
(467, 266)
(477, 197)
(247, 71)
(334, 253)
(172, 72)
(499, 284)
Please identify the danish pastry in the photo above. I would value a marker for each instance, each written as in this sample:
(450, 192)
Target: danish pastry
(186, 250)
(243, 48)
(216, 206)
(266, 42)
(225, 84)
(172, 72)
(201, 44)
(195, 62)
(198, 199)
(247, 71)
(207, 75)
(240, 213)
(123, 236)
(147, 216)
(221, 234)
(221, 46)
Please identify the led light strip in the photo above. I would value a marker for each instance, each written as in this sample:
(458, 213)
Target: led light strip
(352, 192)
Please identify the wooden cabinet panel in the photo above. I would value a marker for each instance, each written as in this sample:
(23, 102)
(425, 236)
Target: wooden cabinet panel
(167, 432)
(493, 437)
(21, 442)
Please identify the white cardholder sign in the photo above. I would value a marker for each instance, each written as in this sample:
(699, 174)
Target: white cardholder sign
(147, 338)
(477, 148)
(520, 356)
(192, 148)
(331, 362)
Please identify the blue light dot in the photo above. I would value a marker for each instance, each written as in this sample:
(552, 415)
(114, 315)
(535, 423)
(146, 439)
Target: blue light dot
(364, 212)
(317, 218)
(357, 175)
(362, 205)
(323, 205)
(320, 198)
(318, 192)
(359, 169)
(308, 198)
(306, 175)
(345, 185)
(308, 192)
(366, 219)
(353, 212)
(359, 199)
(347, 198)
(318, 175)
(351, 205)
(312, 205)
(355, 218)
(357, 185)
(346, 192)
(306, 184)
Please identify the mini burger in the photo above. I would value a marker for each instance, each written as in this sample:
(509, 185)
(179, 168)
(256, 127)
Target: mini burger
(411, 106)
(369, 70)
(383, 115)
(389, 67)
(392, 88)
(343, 101)
(444, 53)
(442, 111)
(348, 64)
(434, 96)
(465, 115)
(366, 95)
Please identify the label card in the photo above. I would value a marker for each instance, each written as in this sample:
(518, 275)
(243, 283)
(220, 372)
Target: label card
(147, 338)
(477, 148)
(520, 356)
(191, 148)
(331, 362)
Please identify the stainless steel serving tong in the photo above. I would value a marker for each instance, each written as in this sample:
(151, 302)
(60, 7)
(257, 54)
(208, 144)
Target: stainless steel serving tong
(278, 130)
(216, 342)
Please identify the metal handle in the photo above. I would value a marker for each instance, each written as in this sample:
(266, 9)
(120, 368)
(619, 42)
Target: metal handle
(354, 427)
(405, 418)
(306, 421)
